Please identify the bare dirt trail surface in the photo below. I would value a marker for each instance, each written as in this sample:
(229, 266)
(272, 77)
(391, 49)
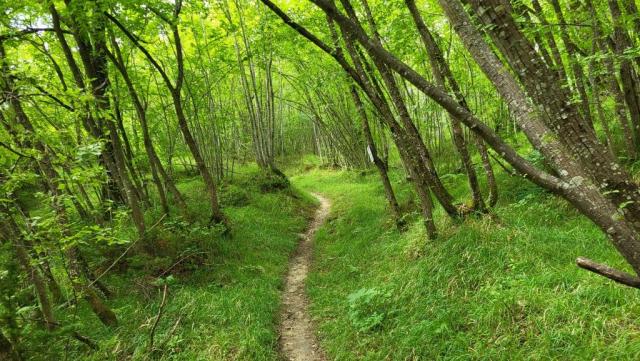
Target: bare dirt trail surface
(297, 337)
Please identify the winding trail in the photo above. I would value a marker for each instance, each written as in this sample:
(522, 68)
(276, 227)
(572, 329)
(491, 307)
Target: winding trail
(297, 337)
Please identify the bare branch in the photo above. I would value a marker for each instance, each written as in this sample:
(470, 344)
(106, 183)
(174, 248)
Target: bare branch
(27, 31)
(155, 323)
(621, 277)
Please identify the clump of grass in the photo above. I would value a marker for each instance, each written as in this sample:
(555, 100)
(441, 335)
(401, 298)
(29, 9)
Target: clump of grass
(234, 195)
(271, 182)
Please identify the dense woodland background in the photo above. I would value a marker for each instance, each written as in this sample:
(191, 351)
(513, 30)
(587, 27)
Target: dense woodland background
(155, 159)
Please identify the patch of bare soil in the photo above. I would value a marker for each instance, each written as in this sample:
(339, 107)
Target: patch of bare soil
(297, 335)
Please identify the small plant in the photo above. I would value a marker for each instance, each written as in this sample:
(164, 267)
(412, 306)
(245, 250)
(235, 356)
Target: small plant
(234, 196)
(270, 182)
(369, 308)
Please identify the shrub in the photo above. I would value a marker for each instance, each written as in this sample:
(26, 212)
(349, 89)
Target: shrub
(234, 196)
(270, 182)
(369, 308)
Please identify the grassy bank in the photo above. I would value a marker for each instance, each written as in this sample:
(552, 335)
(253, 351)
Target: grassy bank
(499, 289)
(223, 293)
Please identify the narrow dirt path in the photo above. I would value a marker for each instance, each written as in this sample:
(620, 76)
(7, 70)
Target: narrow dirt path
(297, 337)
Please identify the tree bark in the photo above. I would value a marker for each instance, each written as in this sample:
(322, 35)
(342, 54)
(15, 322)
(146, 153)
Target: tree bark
(444, 79)
(157, 169)
(628, 76)
(12, 234)
(45, 164)
(380, 165)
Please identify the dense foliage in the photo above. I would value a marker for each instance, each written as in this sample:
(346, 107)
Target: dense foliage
(145, 143)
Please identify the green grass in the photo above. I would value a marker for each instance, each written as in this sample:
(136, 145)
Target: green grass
(500, 289)
(225, 305)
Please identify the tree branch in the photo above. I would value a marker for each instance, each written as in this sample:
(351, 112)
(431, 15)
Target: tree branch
(27, 31)
(441, 97)
(53, 97)
(155, 323)
(7, 147)
(337, 55)
(613, 274)
(144, 50)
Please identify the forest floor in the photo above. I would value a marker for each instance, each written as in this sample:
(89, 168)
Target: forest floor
(500, 288)
(298, 340)
(222, 306)
(504, 287)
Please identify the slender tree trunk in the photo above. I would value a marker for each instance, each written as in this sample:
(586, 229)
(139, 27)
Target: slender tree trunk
(52, 283)
(113, 187)
(575, 184)
(443, 75)
(555, 51)
(584, 195)
(560, 114)
(621, 43)
(154, 161)
(413, 136)
(175, 89)
(380, 165)
(52, 178)
(12, 233)
(415, 167)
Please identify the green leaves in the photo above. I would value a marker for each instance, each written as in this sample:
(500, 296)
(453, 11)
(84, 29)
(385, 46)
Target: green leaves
(369, 308)
(92, 235)
(88, 152)
(164, 281)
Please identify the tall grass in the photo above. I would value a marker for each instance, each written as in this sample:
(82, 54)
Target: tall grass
(223, 296)
(502, 288)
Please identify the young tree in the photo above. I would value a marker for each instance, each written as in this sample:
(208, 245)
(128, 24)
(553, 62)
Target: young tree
(175, 89)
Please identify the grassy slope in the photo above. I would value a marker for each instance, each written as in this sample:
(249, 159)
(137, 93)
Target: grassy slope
(228, 307)
(484, 290)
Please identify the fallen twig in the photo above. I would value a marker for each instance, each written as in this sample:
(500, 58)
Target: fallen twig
(624, 278)
(170, 334)
(124, 253)
(155, 323)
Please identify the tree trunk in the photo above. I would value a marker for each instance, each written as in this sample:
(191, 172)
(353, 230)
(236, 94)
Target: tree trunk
(576, 68)
(175, 89)
(13, 235)
(443, 75)
(628, 76)
(380, 165)
(584, 195)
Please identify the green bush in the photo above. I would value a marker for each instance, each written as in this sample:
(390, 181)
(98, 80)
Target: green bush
(150, 264)
(269, 182)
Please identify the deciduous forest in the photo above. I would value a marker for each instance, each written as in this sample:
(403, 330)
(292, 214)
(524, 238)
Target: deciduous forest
(319, 180)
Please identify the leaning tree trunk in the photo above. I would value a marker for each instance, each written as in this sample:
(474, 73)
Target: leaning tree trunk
(444, 78)
(52, 177)
(11, 233)
(584, 193)
(559, 113)
(413, 136)
(380, 165)
(157, 169)
(577, 189)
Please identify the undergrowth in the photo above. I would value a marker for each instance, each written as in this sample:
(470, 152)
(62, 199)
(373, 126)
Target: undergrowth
(223, 292)
(491, 288)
